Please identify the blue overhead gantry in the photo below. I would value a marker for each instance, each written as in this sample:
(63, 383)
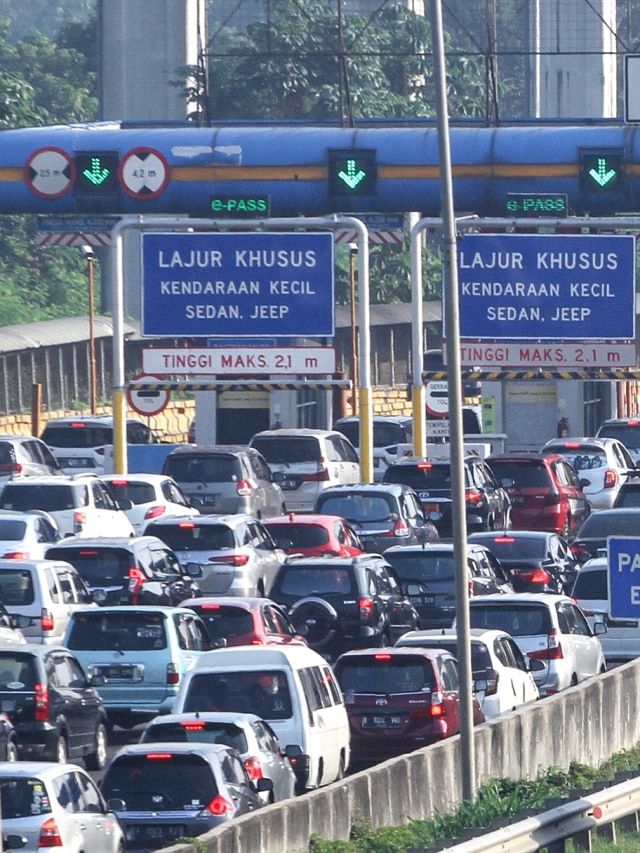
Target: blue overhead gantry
(293, 170)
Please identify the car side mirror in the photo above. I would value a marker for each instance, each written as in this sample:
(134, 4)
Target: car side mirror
(293, 750)
(263, 784)
(17, 620)
(584, 482)
(599, 628)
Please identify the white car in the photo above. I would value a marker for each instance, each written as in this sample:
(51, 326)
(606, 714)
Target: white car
(153, 497)
(26, 535)
(621, 641)
(603, 465)
(389, 431)
(501, 675)
(547, 627)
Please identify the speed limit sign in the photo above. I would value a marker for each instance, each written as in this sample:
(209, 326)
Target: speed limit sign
(147, 401)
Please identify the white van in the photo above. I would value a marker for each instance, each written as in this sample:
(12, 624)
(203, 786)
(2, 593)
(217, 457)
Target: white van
(293, 688)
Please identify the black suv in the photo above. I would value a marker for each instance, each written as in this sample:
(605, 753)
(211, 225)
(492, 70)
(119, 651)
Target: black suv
(345, 602)
(488, 504)
(133, 570)
(628, 493)
(382, 514)
(56, 712)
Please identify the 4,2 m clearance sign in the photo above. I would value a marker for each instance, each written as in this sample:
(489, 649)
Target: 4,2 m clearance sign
(547, 287)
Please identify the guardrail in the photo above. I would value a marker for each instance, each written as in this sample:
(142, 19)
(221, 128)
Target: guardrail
(575, 819)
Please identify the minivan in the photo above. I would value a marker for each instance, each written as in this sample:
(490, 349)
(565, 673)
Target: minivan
(293, 688)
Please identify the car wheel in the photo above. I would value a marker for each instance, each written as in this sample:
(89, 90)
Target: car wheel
(62, 750)
(96, 760)
(342, 770)
(12, 751)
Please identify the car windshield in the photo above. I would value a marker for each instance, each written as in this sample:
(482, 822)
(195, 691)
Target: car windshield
(26, 496)
(591, 585)
(204, 468)
(315, 580)
(23, 797)
(264, 692)
(423, 567)
(526, 475)
(160, 781)
(292, 536)
(358, 507)
(99, 567)
(420, 477)
(384, 435)
(119, 630)
(16, 587)
(525, 620)
(385, 674)
(629, 435)
(194, 730)
(288, 449)
(194, 537)
(135, 491)
(223, 621)
(77, 435)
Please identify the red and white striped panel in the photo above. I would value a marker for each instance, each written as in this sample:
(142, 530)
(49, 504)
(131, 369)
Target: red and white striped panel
(348, 236)
(69, 238)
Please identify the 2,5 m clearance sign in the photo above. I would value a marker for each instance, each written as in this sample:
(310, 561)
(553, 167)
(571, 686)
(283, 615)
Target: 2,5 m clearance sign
(547, 287)
(237, 284)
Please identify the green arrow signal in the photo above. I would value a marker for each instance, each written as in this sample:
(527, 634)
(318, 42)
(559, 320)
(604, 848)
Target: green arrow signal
(97, 175)
(353, 176)
(601, 175)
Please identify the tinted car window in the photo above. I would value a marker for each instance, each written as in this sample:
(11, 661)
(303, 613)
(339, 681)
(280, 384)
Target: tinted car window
(432, 477)
(423, 567)
(81, 436)
(225, 621)
(135, 631)
(194, 537)
(147, 784)
(404, 674)
(207, 468)
(261, 692)
(104, 566)
(314, 581)
(305, 536)
(591, 585)
(12, 530)
(22, 798)
(289, 449)
(524, 475)
(16, 587)
(197, 731)
(521, 621)
(136, 492)
(17, 671)
(357, 507)
(31, 496)
(608, 524)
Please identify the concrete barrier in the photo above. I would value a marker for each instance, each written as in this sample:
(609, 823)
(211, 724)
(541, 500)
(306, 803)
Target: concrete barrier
(585, 724)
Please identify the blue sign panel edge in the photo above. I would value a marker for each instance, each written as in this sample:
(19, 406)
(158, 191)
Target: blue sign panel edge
(620, 600)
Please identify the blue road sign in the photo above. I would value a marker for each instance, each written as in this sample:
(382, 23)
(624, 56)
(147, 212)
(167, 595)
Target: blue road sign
(547, 286)
(237, 284)
(624, 577)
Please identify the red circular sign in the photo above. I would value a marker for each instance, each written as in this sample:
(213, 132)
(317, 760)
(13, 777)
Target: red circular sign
(147, 401)
(144, 173)
(49, 172)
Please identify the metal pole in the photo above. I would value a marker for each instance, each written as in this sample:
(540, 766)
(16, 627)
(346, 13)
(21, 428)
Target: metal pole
(93, 386)
(454, 380)
(353, 249)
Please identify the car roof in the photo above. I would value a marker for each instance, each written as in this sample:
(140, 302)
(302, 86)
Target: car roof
(484, 635)
(139, 477)
(211, 449)
(108, 542)
(44, 769)
(241, 657)
(230, 520)
(384, 488)
(236, 717)
(303, 518)
(513, 599)
(570, 443)
(332, 561)
(34, 565)
(37, 649)
(292, 433)
(101, 420)
(632, 421)
(397, 652)
(54, 479)
(394, 419)
(206, 750)
(522, 457)
(164, 610)
(246, 601)
(480, 536)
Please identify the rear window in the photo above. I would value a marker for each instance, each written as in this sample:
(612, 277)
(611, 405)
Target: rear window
(604, 524)
(224, 621)
(98, 567)
(384, 435)
(313, 580)
(423, 567)
(160, 782)
(480, 657)
(525, 475)
(591, 585)
(628, 496)
(290, 449)
(521, 621)
(77, 435)
(16, 587)
(358, 507)
(23, 798)
(288, 536)
(136, 492)
(628, 435)
(513, 548)
(203, 468)
(12, 530)
(51, 498)
(135, 631)
(193, 537)
(263, 692)
(432, 477)
(7, 454)
(582, 459)
(196, 731)
(17, 671)
(384, 674)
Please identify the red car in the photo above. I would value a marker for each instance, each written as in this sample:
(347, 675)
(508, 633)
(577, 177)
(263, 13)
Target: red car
(545, 490)
(314, 535)
(238, 621)
(399, 699)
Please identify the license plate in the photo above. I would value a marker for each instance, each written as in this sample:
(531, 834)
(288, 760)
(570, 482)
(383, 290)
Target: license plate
(122, 671)
(428, 600)
(155, 833)
(381, 722)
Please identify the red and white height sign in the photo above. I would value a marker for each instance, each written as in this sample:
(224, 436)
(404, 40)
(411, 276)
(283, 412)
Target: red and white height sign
(552, 356)
(239, 360)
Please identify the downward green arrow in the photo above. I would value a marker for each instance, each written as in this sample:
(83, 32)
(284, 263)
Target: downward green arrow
(602, 176)
(353, 176)
(96, 174)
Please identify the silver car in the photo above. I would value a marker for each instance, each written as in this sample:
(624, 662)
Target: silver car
(255, 740)
(56, 805)
(236, 552)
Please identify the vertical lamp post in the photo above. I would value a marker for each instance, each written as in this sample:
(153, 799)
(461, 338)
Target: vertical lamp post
(353, 251)
(88, 252)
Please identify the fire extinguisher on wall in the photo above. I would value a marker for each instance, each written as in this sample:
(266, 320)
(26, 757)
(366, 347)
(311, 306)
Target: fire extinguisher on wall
(563, 428)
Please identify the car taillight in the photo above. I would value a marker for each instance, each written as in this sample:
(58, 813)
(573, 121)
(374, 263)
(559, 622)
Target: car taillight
(581, 552)
(46, 619)
(365, 606)
(537, 575)
(473, 496)
(233, 559)
(155, 511)
(136, 580)
(553, 650)
(49, 834)
(42, 703)
(16, 555)
(610, 478)
(10, 468)
(79, 521)
(470, 588)
(321, 474)
(437, 704)
(253, 767)
(492, 683)
(173, 676)
(400, 528)
(244, 488)
(219, 806)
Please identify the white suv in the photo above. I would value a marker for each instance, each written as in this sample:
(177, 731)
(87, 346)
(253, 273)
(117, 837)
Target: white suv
(80, 504)
(306, 461)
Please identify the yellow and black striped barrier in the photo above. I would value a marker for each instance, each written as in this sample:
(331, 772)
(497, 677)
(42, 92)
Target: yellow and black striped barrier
(240, 384)
(535, 373)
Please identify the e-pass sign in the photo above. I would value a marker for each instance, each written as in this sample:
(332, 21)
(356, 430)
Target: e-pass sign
(624, 577)
(238, 284)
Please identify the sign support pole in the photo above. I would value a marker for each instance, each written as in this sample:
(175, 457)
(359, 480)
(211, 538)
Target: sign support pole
(182, 223)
